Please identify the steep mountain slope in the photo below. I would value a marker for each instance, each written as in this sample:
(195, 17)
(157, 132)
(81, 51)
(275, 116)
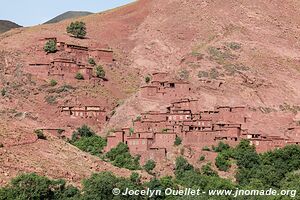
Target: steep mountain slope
(7, 25)
(253, 47)
(68, 15)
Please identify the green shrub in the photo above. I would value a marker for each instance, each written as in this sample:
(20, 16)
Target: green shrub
(208, 171)
(100, 73)
(93, 144)
(120, 157)
(222, 162)
(135, 177)
(77, 29)
(3, 92)
(50, 46)
(221, 147)
(79, 76)
(83, 131)
(201, 158)
(177, 141)
(40, 134)
(149, 166)
(53, 83)
(32, 186)
(206, 148)
(91, 61)
(147, 79)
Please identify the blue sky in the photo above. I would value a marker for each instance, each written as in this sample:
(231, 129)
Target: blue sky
(33, 12)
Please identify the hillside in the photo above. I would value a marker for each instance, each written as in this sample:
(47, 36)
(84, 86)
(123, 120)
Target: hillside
(68, 15)
(253, 47)
(7, 25)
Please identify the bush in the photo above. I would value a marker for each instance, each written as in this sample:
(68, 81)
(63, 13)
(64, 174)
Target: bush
(222, 162)
(79, 76)
(221, 147)
(40, 134)
(120, 157)
(208, 171)
(149, 166)
(77, 29)
(182, 165)
(83, 131)
(91, 61)
(177, 141)
(53, 83)
(135, 177)
(147, 79)
(206, 148)
(3, 92)
(201, 158)
(100, 73)
(32, 186)
(93, 144)
(50, 46)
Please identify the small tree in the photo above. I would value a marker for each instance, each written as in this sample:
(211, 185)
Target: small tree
(149, 166)
(177, 141)
(135, 177)
(100, 73)
(53, 82)
(40, 135)
(147, 79)
(3, 92)
(50, 46)
(91, 61)
(79, 76)
(77, 29)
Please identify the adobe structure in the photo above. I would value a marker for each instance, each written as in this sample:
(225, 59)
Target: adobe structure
(71, 59)
(95, 113)
(153, 133)
(163, 87)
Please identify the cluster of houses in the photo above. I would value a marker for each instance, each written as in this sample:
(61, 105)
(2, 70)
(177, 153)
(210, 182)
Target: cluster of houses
(153, 134)
(69, 60)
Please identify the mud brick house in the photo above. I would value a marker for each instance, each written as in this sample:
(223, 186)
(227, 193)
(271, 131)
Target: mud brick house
(163, 87)
(71, 59)
(153, 134)
(90, 112)
(67, 68)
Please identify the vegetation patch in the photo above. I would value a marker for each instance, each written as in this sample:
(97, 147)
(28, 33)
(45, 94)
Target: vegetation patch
(50, 46)
(221, 56)
(120, 157)
(77, 29)
(51, 99)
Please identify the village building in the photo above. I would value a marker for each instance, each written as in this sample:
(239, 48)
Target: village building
(96, 113)
(163, 87)
(153, 134)
(71, 59)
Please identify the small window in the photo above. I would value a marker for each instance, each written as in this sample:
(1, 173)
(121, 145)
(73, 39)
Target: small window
(172, 85)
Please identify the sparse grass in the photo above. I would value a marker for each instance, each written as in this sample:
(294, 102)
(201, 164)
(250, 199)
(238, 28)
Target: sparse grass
(183, 74)
(291, 108)
(203, 74)
(234, 45)
(51, 99)
(214, 73)
(218, 55)
(231, 69)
